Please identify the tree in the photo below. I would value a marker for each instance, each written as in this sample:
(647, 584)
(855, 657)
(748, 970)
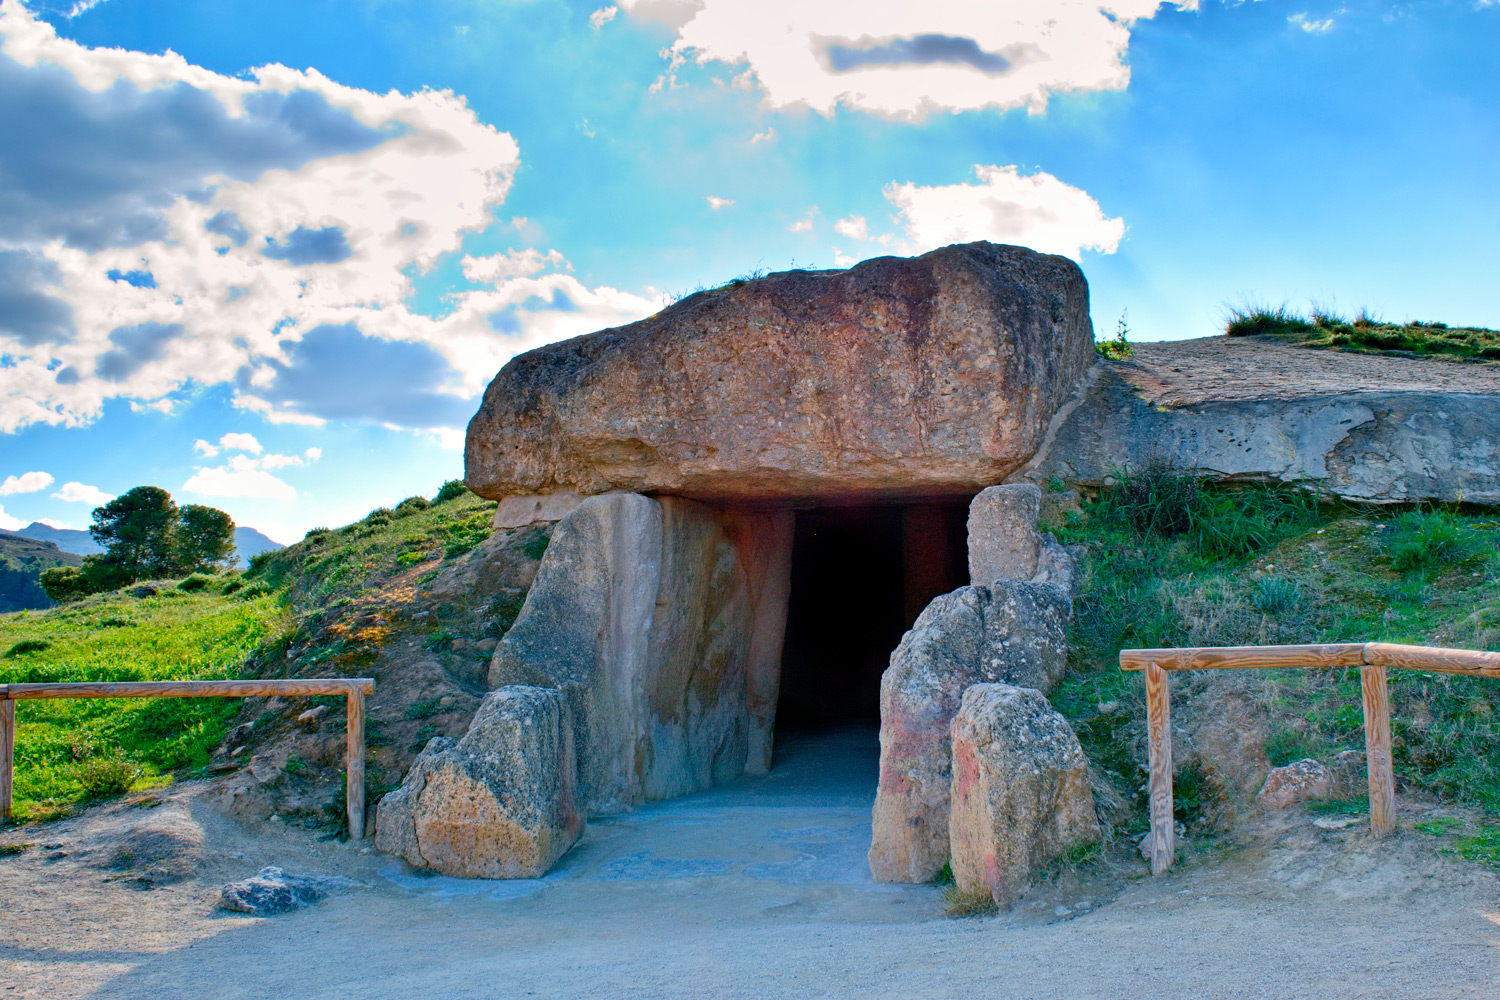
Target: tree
(64, 583)
(145, 534)
(204, 538)
(136, 530)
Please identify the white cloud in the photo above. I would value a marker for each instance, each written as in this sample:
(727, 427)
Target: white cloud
(1311, 27)
(83, 493)
(1037, 211)
(841, 259)
(204, 448)
(26, 482)
(768, 135)
(240, 442)
(313, 454)
(511, 264)
(60, 525)
(160, 406)
(8, 523)
(283, 272)
(242, 477)
(717, 203)
(603, 16)
(855, 227)
(905, 59)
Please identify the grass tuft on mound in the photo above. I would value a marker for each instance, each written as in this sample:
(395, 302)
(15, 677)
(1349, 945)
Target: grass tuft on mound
(1366, 334)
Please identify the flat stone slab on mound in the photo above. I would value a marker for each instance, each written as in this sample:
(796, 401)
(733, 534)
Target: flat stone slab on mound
(1364, 427)
(498, 803)
(930, 375)
(1021, 793)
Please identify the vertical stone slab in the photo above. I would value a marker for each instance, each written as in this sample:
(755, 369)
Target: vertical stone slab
(499, 803)
(1020, 794)
(586, 629)
(695, 734)
(1004, 539)
(1013, 632)
(764, 542)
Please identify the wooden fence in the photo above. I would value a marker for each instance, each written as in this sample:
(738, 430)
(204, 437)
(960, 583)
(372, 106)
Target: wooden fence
(354, 690)
(1373, 660)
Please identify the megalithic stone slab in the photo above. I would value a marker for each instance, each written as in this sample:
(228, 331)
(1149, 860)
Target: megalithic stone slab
(1021, 794)
(926, 376)
(499, 803)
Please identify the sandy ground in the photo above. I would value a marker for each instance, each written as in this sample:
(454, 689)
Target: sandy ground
(754, 890)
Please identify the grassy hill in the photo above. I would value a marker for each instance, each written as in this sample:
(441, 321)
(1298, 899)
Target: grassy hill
(21, 562)
(296, 611)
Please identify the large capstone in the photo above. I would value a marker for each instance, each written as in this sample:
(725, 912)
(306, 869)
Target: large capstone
(926, 376)
(1012, 632)
(1021, 793)
(499, 803)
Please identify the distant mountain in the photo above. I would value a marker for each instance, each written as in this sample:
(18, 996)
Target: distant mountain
(21, 562)
(67, 539)
(248, 541)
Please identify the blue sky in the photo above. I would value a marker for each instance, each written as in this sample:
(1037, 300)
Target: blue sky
(266, 255)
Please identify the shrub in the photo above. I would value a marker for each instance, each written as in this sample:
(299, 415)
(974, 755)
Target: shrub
(26, 646)
(1425, 540)
(423, 709)
(105, 776)
(411, 505)
(1275, 595)
(233, 586)
(317, 536)
(451, 490)
(64, 583)
(379, 516)
(196, 581)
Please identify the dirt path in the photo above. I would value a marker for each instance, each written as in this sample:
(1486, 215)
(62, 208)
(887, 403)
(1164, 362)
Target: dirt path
(757, 890)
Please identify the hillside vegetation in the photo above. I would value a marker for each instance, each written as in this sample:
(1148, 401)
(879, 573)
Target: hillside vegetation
(329, 605)
(1368, 335)
(1172, 562)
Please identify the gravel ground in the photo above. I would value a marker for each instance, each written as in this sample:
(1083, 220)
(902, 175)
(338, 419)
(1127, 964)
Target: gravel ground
(754, 890)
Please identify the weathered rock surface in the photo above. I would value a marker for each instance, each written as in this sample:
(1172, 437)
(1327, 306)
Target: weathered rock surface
(1363, 427)
(661, 622)
(1020, 792)
(1004, 540)
(933, 375)
(516, 512)
(1014, 633)
(1298, 781)
(274, 891)
(499, 803)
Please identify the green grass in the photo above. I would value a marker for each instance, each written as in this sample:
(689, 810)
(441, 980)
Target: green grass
(1366, 334)
(329, 566)
(71, 750)
(1176, 563)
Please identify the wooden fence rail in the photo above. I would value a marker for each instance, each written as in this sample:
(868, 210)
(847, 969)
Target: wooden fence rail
(1372, 659)
(354, 690)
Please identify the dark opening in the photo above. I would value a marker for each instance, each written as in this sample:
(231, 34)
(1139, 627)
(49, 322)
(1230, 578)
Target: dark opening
(860, 576)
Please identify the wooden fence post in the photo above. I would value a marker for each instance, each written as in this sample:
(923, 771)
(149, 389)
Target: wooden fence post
(1378, 749)
(354, 762)
(7, 754)
(1163, 838)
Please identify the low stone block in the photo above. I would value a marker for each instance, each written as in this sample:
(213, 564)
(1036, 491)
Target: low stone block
(1004, 540)
(498, 803)
(1020, 791)
(1298, 781)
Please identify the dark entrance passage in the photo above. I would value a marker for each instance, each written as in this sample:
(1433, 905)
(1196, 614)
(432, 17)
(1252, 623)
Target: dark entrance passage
(860, 576)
